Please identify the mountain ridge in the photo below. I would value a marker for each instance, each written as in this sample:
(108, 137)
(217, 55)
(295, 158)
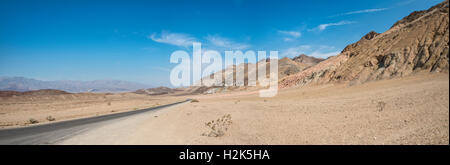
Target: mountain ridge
(22, 84)
(416, 43)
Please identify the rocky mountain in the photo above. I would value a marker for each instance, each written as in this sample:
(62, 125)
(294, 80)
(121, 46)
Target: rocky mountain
(417, 43)
(286, 66)
(308, 60)
(26, 84)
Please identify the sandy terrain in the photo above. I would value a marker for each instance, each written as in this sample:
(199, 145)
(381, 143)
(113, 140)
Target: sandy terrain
(17, 111)
(409, 110)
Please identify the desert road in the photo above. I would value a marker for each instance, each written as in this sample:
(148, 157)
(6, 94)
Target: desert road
(57, 132)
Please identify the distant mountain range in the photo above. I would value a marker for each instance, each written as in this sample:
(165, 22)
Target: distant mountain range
(27, 84)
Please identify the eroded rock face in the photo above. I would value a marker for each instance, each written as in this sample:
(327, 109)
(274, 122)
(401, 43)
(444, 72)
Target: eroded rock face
(417, 43)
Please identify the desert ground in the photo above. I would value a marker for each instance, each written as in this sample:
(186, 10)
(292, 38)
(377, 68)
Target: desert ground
(17, 111)
(407, 110)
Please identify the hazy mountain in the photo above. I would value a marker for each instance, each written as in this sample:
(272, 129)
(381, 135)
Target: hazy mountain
(27, 84)
(157, 91)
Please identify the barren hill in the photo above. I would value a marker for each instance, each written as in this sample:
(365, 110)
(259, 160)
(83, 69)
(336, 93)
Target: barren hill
(286, 67)
(417, 43)
(309, 60)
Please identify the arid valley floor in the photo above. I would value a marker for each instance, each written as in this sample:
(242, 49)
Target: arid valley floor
(407, 110)
(387, 88)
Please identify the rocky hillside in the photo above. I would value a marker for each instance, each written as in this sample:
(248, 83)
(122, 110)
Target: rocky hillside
(417, 43)
(308, 60)
(286, 67)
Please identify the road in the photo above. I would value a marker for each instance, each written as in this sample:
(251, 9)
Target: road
(54, 133)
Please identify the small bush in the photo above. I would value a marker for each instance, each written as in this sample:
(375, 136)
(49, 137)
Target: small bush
(218, 127)
(109, 103)
(194, 101)
(381, 105)
(50, 118)
(32, 121)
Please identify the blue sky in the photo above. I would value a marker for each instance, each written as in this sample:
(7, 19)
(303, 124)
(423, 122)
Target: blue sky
(133, 40)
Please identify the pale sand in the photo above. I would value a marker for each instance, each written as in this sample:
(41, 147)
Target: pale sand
(416, 112)
(16, 111)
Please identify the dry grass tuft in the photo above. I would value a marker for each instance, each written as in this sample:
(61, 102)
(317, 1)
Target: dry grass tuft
(50, 118)
(32, 121)
(218, 127)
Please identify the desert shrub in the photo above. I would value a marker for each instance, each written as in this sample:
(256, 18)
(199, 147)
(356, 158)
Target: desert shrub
(32, 121)
(381, 105)
(109, 103)
(50, 118)
(194, 101)
(219, 126)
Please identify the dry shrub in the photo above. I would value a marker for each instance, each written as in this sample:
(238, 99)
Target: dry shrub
(218, 127)
(32, 121)
(50, 118)
(381, 105)
(194, 101)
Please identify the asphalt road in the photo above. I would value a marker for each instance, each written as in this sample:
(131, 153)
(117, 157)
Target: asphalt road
(55, 132)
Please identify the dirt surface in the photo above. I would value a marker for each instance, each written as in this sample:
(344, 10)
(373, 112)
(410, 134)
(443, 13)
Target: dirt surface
(17, 111)
(408, 110)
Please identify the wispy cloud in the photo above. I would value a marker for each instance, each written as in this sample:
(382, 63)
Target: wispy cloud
(288, 39)
(361, 11)
(294, 34)
(291, 35)
(178, 39)
(322, 27)
(219, 41)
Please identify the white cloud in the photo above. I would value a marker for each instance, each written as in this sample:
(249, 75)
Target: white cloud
(293, 34)
(178, 39)
(365, 11)
(322, 27)
(288, 39)
(361, 11)
(186, 40)
(225, 42)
